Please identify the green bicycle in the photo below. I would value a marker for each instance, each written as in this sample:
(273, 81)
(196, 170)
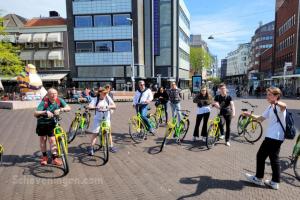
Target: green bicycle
(295, 162)
(137, 127)
(80, 123)
(159, 114)
(1, 153)
(213, 132)
(250, 128)
(179, 130)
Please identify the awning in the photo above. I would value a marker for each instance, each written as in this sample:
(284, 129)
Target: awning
(24, 38)
(26, 55)
(8, 38)
(93, 79)
(287, 76)
(52, 77)
(54, 37)
(8, 78)
(41, 55)
(56, 55)
(39, 37)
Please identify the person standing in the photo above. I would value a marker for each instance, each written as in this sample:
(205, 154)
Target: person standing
(203, 100)
(162, 98)
(175, 98)
(270, 147)
(225, 103)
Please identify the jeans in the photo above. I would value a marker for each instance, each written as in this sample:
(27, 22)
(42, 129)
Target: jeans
(205, 117)
(269, 148)
(175, 107)
(143, 109)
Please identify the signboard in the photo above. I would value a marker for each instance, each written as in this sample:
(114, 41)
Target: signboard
(196, 83)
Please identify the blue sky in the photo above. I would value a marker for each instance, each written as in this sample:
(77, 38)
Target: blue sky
(229, 21)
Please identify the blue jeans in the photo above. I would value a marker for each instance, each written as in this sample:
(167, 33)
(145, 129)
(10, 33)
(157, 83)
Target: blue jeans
(175, 107)
(143, 109)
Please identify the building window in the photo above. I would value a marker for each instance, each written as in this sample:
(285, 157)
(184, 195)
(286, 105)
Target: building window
(57, 44)
(121, 19)
(103, 46)
(122, 46)
(43, 45)
(83, 21)
(102, 20)
(29, 45)
(58, 63)
(84, 46)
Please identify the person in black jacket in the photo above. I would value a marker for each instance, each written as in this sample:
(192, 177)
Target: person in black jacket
(162, 97)
(203, 100)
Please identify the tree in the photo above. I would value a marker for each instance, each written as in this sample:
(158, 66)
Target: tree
(199, 59)
(10, 63)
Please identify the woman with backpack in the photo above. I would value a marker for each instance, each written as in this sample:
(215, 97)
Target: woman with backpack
(275, 114)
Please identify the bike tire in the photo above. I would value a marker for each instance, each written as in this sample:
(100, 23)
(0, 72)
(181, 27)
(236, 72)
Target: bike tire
(239, 124)
(166, 138)
(296, 168)
(64, 156)
(72, 131)
(186, 126)
(153, 122)
(211, 136)
(253, 135)
(105, 149)
(136, 133)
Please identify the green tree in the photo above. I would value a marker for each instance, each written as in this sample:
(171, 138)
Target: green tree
(214, 80)
(10, 63)
(200, 59)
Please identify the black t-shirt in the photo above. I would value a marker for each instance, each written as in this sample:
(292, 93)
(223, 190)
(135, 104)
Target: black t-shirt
(224, 102)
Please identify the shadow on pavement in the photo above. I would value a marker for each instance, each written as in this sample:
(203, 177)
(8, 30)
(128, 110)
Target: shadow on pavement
(205, 183)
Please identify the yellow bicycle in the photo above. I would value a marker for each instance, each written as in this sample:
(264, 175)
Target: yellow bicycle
(1, 153)
(159, 114)
(213, 132)
(103, 135)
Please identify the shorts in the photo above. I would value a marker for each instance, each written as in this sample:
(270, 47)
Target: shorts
(96, 126)
(45, 130)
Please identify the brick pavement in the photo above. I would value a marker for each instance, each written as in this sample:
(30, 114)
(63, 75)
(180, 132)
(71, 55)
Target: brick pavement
(188, 171)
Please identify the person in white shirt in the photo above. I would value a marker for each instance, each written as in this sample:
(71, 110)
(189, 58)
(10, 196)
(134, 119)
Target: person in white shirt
(273, 140)
(102, 103)
(143, 96)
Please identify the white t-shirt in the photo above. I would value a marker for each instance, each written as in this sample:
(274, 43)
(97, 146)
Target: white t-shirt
(203, 109)
(146, 95)
(274, 129)
(102, 103)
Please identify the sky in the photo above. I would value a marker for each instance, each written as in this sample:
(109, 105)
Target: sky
(230, 22)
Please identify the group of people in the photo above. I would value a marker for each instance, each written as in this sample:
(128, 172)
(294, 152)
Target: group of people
(270, 147)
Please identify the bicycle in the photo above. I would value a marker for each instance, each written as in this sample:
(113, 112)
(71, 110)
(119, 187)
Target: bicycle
(160, 113)
(250, 128)
(1, 153)
(213, 132)
(295, 162)
(179, 130)
(137, 127)
(80, 123)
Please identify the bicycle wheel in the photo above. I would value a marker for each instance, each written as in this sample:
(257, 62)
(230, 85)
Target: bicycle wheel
(253, 131)
(297, 168)
(241, 122)
(184, 130)
(136, 131)
(168, 135)
(153, 122)
(105, 149)
(72, 130)
(64, 159)
(211, 136)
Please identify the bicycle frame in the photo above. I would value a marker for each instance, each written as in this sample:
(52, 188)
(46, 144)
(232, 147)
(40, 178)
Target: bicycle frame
(1, 153)
(175, 126)
(215, 121)
(60, 134)
(105, 129)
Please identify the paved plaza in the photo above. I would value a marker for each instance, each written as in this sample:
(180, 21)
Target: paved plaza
(138, 171)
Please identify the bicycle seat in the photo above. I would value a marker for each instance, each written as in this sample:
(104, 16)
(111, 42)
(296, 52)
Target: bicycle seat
(244, 109)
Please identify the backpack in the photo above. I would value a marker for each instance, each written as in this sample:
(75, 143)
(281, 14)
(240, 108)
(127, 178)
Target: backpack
(290, 130)
(46, 102)
(97, 101)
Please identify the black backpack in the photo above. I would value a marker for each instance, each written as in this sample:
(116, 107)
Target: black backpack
(290, 130)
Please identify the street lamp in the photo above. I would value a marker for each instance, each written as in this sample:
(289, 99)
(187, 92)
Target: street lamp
(132, 60)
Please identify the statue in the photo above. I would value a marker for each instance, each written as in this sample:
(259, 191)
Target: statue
(30, 84)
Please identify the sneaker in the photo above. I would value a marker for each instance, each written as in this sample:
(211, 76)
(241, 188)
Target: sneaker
(91, 151)
(222, 137)
(227, 144)
(194, 139)
(57, 161)
(252, 179)
(113, 149)
(44, 160)
(272, 184)
(204, 139)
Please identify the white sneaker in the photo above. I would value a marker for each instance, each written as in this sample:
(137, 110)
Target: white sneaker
(227, 144)
(272, 184)
(222, 137)
(204, 139)
(252, 179)
(194, 139)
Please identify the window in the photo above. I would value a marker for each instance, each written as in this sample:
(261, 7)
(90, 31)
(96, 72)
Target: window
(103, 46)
(57, 44)
(122, 46)
(102, 20)
(43, 45)
(121, 19)
(29, 45)
(84, 46)
(58, 63)
(83, 21)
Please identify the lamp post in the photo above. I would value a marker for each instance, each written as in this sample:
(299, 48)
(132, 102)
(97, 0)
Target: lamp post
(132, 60)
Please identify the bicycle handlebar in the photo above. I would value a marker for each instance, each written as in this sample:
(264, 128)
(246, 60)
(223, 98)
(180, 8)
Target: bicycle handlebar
(183, 111)
(253, 106)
